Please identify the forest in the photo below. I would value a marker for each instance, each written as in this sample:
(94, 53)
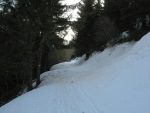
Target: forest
(31, 30)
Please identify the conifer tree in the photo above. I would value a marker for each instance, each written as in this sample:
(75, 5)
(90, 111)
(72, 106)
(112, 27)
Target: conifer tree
(28, 29)
(92, 31)
(44, 21)
(82, 27)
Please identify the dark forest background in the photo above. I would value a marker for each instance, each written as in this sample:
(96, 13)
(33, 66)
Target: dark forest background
(30, 33)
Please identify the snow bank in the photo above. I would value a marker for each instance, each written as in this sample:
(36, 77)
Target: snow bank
(73, 62)
(114, 81)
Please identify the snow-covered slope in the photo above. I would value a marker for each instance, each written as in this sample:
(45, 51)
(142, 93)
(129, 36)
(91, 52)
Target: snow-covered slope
(72, 63)
(114, 81)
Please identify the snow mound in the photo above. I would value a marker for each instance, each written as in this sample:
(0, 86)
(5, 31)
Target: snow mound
(69, 64)
(113, 81)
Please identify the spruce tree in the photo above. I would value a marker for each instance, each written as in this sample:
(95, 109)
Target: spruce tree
(82, 28)
(28, 30)
(44, 20)
(92, 31)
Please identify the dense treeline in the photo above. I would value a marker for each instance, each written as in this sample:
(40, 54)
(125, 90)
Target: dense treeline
(28, 31)
(101, 23)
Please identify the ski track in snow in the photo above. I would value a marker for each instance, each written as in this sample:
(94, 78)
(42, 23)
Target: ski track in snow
(75, 99)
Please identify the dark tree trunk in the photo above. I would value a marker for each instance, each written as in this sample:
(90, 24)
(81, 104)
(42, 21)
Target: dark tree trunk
(30, 79)
(39, 65)
(44, 61)
(29, 66)
(30, 63)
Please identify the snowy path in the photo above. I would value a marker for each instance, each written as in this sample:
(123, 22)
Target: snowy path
(64, 99)
(74, 100)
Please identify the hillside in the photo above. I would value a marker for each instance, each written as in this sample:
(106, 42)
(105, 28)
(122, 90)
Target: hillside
(113, 81)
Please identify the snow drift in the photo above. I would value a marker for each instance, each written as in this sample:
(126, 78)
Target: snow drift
(114, 81)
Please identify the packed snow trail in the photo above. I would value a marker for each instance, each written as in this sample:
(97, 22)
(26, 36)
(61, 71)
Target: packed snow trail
(64, 99)
(114, 81)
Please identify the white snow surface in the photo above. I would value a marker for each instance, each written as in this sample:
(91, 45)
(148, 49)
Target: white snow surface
(72, 63)
(116, 80)
(124, 34)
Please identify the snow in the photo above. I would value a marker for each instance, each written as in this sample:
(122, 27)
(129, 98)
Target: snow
(113, 81)
(72, 63)
(125, 34)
